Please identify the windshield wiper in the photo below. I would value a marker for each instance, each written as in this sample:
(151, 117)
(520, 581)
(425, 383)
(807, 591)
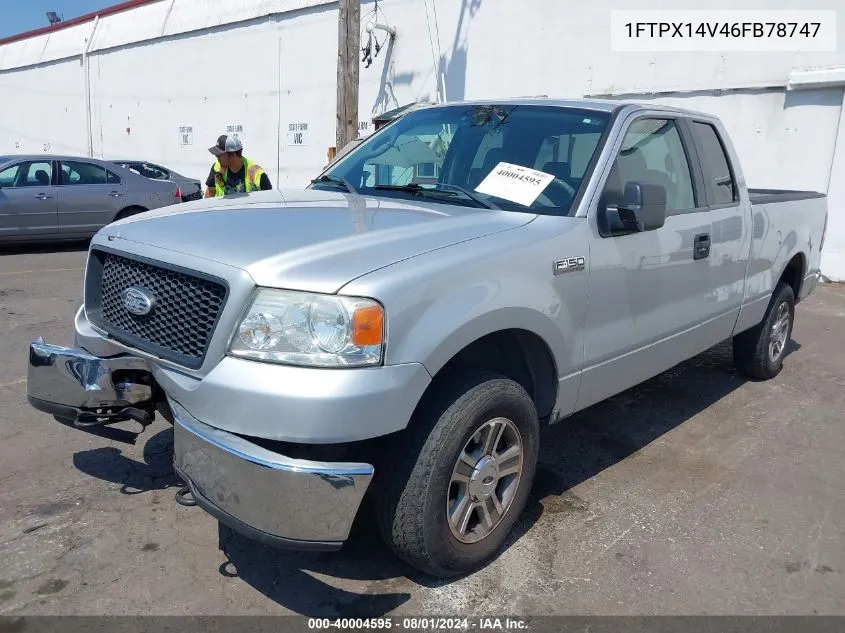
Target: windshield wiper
(419, 189)
(336, 181)
(469, 195)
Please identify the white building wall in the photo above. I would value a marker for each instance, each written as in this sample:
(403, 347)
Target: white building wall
(268, 64)
(45, 109)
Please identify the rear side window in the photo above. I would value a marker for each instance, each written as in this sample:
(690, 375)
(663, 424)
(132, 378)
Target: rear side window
(79, 173)
(715, 164)
(154, 172)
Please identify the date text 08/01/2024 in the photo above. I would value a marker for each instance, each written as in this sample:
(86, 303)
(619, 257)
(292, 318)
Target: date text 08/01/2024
(425, 624)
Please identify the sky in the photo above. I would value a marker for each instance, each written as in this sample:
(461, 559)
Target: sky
(17, 16)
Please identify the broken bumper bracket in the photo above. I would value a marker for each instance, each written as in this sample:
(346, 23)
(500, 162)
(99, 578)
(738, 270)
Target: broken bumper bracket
(72, 384)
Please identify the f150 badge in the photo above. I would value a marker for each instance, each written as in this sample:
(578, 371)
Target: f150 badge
(569, 265)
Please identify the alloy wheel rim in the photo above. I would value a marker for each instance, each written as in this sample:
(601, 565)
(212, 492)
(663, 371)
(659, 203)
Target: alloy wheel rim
(484, 480)
(779, 333)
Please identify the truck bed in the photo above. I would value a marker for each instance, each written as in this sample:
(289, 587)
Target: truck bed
(766, 196)
(785, 220)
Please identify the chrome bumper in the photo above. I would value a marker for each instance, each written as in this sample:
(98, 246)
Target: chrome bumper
(270, 498)
(73, 384)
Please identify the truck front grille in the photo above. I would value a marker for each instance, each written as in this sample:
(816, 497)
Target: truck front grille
(186, 306)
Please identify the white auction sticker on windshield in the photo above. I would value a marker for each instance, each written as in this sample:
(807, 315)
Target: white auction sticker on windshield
(515, 183)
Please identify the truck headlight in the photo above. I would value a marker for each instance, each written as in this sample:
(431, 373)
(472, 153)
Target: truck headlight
(300, 328)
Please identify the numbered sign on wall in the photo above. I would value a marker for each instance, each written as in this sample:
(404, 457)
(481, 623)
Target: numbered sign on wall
(235, 131)
(297, 134)
(186, 135)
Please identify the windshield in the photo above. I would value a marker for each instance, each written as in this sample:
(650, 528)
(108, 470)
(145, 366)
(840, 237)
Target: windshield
(513, 157)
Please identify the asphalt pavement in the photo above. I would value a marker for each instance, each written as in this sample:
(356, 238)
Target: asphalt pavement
(697, 492)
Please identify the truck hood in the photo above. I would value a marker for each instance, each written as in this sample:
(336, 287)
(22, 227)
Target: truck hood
(310, 240)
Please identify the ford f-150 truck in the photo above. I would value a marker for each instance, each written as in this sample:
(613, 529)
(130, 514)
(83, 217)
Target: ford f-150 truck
(404, 326)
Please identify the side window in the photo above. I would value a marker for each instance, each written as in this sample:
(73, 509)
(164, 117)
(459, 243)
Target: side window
(9, 176)
(69, 177)
(112, 178)
(29, 174)
(38, 175)
(715, 164)
(156, 172)
(153, 172)
(652, 153)
(79, 173)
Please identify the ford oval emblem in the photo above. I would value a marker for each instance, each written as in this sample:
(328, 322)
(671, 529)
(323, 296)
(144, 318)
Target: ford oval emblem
(137, 300)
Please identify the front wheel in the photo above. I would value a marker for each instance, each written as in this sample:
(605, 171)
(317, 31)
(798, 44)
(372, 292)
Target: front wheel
(455, 483)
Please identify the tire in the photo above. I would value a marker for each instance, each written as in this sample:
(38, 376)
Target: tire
(127, 212)
(759, 352)
(415, 489)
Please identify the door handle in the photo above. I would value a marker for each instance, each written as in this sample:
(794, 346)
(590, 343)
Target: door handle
(701, 246)
(42, 196)
(115, 194)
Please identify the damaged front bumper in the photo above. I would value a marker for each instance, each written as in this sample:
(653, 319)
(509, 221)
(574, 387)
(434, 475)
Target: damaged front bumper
(77, 386)
(263, 494)
(271, 498)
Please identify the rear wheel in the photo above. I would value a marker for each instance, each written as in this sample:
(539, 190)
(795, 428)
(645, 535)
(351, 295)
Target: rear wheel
(458, 479)
(128, 212)
(759, 352)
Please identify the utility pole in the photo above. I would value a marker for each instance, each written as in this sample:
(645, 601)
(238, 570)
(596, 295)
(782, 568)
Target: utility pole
(348, 48)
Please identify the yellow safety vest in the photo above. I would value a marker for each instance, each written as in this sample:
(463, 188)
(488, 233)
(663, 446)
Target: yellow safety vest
(252, 182)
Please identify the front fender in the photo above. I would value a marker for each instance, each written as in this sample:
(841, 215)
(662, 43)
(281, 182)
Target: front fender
(437, 353)
(434, 328)
(440, 303)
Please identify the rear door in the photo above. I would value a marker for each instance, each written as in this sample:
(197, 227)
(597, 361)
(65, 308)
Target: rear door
(28, 199)
(731, 232)
(647, 289)
(89, 196)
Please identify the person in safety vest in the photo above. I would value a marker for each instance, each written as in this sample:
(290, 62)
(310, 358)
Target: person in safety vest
(233, 172)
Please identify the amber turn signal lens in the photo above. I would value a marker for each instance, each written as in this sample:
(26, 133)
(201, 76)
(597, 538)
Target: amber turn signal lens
(367, 326)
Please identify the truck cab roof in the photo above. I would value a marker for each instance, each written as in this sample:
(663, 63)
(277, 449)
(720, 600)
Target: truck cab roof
(600, 105)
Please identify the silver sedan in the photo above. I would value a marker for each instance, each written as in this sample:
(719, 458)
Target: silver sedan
(191, 188)
(44, 197)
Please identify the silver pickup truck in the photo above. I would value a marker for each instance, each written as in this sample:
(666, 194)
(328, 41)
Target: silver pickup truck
(405, 326)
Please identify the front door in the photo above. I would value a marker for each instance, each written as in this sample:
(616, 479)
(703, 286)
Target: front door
(646, 289)
(89, 197)
(27, 200)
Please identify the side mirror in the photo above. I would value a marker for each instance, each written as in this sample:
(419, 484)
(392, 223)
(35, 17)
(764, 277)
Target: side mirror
(643, 207)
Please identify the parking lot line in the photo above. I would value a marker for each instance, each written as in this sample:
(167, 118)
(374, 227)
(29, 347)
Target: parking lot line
(49, 270)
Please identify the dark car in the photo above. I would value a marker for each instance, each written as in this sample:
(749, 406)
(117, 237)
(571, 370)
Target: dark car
(190, 187)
